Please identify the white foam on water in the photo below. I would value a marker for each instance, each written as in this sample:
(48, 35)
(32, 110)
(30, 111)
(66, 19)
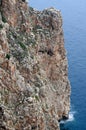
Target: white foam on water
(71, 118)
(62, 122)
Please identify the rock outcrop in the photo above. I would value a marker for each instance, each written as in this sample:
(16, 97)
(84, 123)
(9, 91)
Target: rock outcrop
(34, 85)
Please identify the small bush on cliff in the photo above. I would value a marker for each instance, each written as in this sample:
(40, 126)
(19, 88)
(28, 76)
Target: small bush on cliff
(36, 97)
(2, 15)
(31, 41)
(4, 19)
(36, 28)
(1, 26)
(31, 8)
(22, 45)
(19, 55)
(8, 56)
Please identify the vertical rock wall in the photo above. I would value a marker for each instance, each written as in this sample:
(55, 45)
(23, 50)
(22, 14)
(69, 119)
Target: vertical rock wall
(34, 85)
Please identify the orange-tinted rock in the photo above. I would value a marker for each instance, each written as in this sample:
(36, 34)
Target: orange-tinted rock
(34, 85)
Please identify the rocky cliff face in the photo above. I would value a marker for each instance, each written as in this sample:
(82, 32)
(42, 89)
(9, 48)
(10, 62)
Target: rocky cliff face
(34, 86)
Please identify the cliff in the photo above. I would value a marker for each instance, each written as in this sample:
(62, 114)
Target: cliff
(34, 85)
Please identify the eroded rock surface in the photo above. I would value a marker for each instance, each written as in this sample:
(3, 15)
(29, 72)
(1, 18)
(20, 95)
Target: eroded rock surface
(34, 85)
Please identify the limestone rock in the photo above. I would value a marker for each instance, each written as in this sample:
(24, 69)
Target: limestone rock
(34, 85)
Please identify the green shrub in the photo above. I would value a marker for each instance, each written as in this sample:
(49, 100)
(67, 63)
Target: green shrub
(31, 42)
(36, 97)
(22, 45)
(4, 19)
(19, 55)
(36, 28)
(1, 26)
(8, 56)
(31, 8)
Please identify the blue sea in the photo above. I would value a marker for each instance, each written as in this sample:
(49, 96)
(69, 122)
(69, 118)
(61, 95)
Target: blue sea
(74, 19)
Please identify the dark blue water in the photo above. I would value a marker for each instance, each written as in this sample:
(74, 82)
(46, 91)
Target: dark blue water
(74, 17)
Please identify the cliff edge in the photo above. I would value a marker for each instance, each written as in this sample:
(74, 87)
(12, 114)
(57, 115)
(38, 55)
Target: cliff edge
(34, 85)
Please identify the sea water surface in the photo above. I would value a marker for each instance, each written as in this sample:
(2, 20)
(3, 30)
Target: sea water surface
(74, 19)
